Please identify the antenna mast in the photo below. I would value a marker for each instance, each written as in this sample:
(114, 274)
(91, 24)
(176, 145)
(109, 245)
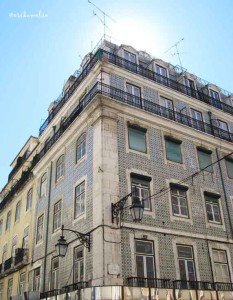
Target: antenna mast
(104, 17)
(177, 50)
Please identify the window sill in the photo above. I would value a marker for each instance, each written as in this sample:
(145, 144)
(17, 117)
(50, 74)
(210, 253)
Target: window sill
(215, 224)
(129, 150)
(183, 219)
(77, 163)
(60, 179)
(80, 217)
(55, 233)
(171, 162)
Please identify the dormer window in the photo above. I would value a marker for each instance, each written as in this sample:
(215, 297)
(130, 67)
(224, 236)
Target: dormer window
(161, 74)
(190, 87)
(161, 70)
(215, 99)
(130, 56)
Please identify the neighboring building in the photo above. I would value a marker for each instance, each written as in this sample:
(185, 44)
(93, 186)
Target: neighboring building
(17, 223)
(130, 122)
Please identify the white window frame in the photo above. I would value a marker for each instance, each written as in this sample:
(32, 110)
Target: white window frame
(79, 263)
(197, 119)
(57, 213)
(17, 211)
(81, 147)
(36, 279)
(54, 284)
(8, 220)
(22, 283)
(29, 200)
(139, 188)
(144, 257)
(9, 288)
(186, 260)
(179, 197)
(60, 167)
(43, 185)
(79, 199)
(39, 229)
(213, 204)
(221, 263)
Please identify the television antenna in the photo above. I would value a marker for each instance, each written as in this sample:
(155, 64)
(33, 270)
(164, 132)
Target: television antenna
(104, 17)
(177, 50)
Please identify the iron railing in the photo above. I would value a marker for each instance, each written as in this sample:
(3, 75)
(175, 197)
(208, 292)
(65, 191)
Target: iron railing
(75, 286)
(20, 256)
(170, 83)
(51, 293)
(140, 70)
(193, 285)
(7, 264)
(124, 97)
(223, 286)
(149, 282)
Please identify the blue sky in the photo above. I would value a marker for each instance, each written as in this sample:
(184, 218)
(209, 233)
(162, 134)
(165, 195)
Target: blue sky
(38, 54)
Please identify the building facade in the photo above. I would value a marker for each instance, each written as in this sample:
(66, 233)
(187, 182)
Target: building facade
(128, 127)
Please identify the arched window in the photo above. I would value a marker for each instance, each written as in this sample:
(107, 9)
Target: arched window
(29, 200)
(81, 147)
(60, 167)
(8, 220)
(17, 211)
(43, 184)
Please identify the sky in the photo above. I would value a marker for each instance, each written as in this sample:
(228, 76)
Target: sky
(37, 54)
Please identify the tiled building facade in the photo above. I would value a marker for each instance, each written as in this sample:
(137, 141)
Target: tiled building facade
(130, 122)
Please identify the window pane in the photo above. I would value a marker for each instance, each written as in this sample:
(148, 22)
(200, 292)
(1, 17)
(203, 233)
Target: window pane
(137, 139)
(140, 266)
(150, 267)
(204, 160)
(191, 272)
(229, 165)
(173, 151)
(182, 270)
(144, 247)
(185, 251)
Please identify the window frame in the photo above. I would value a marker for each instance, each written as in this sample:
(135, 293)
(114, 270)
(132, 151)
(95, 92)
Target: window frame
(131, 128)
(229, 160)
(39, 229)
(1, 226)
(142, 183)
(9, 287)
(54, 282)
(177, 142)
(213, 203)
(60, 167)
(17, 211)
(36, 279)
(177, 187)
(8, 221)
(29, 199)
(206, 152)
(144, 256)
(43, 185)
(57, 213)
(81, 198)
(221, 263)
(186, 260)
(22, 283)
(81, 143)
(79, 263)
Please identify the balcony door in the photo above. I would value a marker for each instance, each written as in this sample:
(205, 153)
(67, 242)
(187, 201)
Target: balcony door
(144, 259)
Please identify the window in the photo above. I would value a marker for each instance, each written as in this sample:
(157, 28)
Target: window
(137, 138)
(79, 199)
(36, 280)
(0, 227)
(25, 238)
(54, 273)
(229, 166)
(57, 215)
(60, 167)
(163, 74)
(204, 158)
(224, 131)
(141, 189)
(167, 108)
(43, 184)
(8, 220)
(173, 150)
(1, 290)
(130, 62)
(81, 147)
(14, 242)
(17, 211)
(4, 251)
(179, 200)
(221, 266)
(197, 120)
(78, 264)
(190, 87)
(29, 200)
(144, 259)
(133, 94)
(39, 233)
(215, 99)
(186, 263)
(9, 288)
(22, 283)
(212, 208)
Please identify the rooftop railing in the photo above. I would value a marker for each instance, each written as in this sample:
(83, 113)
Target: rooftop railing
(126, 98)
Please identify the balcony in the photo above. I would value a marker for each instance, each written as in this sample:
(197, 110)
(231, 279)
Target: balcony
(49, 294)
(15, 263)
(148, 282)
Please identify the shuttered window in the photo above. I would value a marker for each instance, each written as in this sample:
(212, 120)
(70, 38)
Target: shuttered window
(173, 150)
(204, 158)
(137, 139)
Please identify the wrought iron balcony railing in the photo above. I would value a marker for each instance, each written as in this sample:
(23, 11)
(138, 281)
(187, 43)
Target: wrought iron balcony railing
(75, 286)
(140, 70)
(149, 282)
(7, 264)
(124, 97)
(51, 293)
(20, 256)
(170, 83)
(193, 285)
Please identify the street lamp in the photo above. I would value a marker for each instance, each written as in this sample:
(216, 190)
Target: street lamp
(136, 208)
(62, 245)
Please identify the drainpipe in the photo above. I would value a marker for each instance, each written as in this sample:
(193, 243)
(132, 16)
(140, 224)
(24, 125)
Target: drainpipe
(47, 225)
(225, 193)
